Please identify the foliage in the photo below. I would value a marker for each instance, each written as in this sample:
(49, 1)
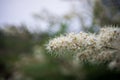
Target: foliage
(107, 12)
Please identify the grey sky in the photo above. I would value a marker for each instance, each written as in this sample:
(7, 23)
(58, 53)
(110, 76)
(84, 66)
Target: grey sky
(17, 11)
(21, 11)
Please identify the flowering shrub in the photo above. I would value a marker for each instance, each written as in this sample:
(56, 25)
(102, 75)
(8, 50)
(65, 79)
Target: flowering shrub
(101, 48)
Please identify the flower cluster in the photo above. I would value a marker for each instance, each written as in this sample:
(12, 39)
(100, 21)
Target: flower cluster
(109, 37)
(72, 43)
(92, 48)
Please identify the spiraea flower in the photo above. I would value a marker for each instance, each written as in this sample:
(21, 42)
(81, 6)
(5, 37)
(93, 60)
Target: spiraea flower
(96, 57)
(108, 37)
(72, 43)
(99, 48)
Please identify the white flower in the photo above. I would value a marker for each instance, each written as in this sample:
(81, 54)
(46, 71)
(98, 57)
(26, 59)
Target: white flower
(72, 42)
(92, 48)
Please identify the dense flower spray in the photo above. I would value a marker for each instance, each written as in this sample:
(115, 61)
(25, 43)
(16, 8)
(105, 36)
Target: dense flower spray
(101, 48)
